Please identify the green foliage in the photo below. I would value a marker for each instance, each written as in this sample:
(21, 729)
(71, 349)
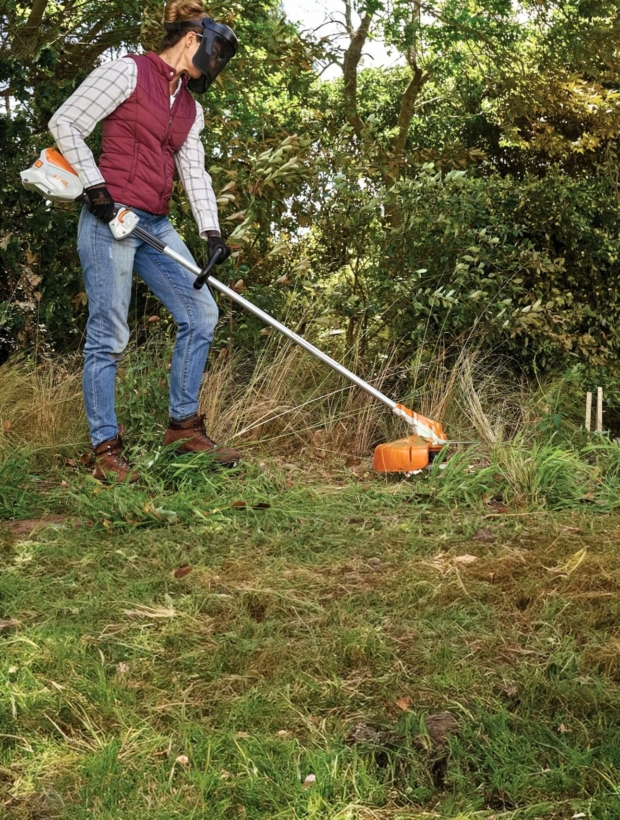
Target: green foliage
(526, 268)
(529, 268)
(466, 196)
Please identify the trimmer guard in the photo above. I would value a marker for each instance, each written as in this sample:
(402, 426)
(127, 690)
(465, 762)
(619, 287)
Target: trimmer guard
(405, 455)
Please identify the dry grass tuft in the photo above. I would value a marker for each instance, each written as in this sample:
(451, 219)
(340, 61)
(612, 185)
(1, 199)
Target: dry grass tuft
(290, 401)
(42, 405)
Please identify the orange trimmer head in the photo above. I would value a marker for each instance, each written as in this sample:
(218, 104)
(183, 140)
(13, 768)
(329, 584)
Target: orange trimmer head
(406, 455)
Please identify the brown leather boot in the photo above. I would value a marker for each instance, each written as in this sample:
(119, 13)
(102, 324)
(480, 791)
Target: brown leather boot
(110, 464)
(194, 436)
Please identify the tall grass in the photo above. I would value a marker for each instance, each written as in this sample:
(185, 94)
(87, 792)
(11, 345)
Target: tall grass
(519, 474)
(283, 403)
(41, 406)
(283, 398)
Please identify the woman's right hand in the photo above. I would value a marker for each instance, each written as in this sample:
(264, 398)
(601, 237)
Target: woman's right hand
(100, 203)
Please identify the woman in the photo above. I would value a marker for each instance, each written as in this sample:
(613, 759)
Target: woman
(151, 124)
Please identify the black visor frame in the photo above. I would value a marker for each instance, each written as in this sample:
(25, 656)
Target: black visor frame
(218, 45)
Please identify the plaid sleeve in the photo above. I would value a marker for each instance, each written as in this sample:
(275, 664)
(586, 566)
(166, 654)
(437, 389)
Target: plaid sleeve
(190, 162)
(102, 92)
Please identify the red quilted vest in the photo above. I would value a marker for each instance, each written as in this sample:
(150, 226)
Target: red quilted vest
(141, 136)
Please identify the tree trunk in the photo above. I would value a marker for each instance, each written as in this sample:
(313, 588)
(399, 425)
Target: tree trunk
(407, 110)
(352, 58)
(405, 115)
(36, 15)
(27, 39)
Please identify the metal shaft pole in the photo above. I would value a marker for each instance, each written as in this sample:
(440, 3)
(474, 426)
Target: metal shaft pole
(265, 317)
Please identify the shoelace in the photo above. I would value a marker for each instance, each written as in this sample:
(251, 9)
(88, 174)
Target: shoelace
(115, 450)
(201, 429)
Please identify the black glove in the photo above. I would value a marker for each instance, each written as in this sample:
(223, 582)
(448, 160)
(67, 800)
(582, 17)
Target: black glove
(215, 242)
(100, 203)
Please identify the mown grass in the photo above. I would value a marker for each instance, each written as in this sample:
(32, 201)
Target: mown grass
(196, 647)
(199, 645)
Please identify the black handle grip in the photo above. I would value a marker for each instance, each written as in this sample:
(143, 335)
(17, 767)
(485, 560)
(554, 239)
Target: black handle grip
(84, 199)
(204, 273)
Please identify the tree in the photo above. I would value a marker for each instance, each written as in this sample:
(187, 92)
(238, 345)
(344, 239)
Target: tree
(433, 39)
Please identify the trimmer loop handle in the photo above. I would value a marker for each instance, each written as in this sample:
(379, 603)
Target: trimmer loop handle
(204, 273)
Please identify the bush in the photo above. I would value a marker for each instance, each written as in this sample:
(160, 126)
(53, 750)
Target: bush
(523, 268)
(527, 268)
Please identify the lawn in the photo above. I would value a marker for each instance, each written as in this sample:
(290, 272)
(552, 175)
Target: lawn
(287, 640)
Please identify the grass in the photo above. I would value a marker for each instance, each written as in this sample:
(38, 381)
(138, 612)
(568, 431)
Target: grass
(201, 659)
(298, 638)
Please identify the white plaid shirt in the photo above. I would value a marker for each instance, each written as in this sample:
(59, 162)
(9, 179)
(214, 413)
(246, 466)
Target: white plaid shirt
(99, 95)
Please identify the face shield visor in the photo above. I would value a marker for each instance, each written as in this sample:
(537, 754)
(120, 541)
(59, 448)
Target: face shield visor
(218, 44)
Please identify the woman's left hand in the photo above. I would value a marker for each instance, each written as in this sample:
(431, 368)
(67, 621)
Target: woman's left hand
(214, 243)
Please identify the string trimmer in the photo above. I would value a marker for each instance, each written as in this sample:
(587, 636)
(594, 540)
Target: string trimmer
(52, 176)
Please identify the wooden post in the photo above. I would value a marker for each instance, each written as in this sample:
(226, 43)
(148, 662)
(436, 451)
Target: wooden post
(599, 410)
(588, 411)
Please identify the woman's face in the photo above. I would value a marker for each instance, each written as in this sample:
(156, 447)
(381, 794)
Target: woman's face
(192, 44)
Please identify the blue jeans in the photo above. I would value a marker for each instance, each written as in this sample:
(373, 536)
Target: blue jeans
(107, 265)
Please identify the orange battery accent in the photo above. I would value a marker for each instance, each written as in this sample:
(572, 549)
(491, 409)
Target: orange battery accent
(56, 158)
